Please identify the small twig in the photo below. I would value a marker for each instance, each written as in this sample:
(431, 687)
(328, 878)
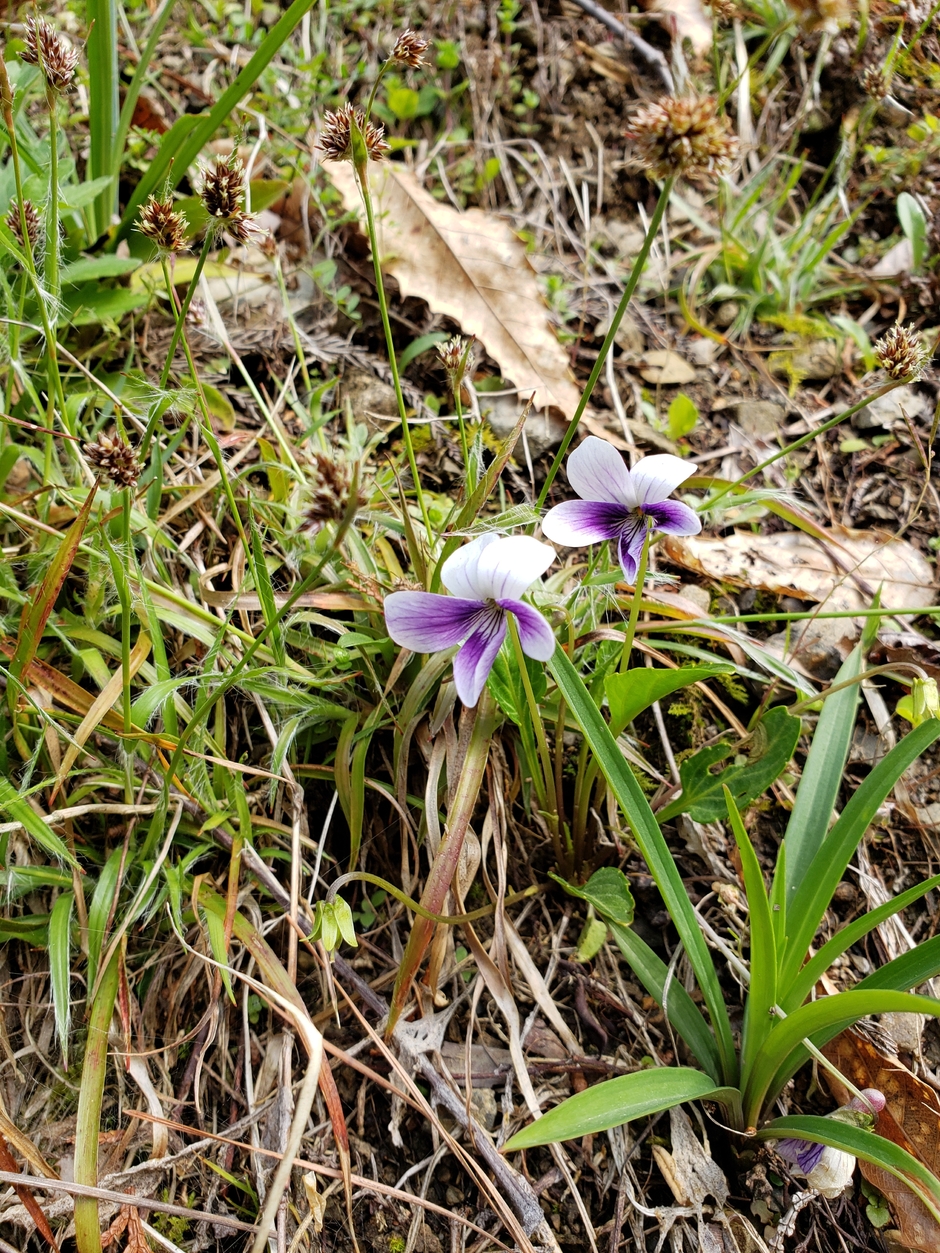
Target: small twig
(647, 51)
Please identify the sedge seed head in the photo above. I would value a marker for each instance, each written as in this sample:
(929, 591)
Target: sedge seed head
(410, 49)
(332, 493)
(456, 360)
(223, 187)
(114, 459)
(46, 48)
(335, 140)
(245, 229)
(875, 83)
(33, 224)
(163, 224)
(683, 136)
(901, 354)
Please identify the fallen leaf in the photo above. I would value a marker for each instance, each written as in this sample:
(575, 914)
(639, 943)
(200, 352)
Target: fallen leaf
(603, 60)
(664, 366)
(472, 268)
(687, 20)
(910, 1118)
(794, 564)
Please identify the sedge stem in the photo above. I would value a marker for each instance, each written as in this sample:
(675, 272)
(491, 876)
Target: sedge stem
(546, 786)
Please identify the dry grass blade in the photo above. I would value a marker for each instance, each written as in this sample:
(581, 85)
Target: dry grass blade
(8, 1162)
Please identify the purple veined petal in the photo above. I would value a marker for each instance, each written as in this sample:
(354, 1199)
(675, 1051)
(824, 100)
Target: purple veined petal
(802, 1153)
(577, 522)
(535, 635)
(459, 571)
(597, 472)
(509, 566)
(427, 623)
(630, 547)
(474, 660)
(654, 478)
(673, 517)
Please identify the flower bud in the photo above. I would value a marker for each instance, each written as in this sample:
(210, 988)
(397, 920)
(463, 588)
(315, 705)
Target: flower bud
(922, 704)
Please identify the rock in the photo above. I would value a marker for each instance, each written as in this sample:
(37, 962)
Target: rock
(820, 647)
(760, 419)
(667, 368)
(544, 430)
(629, 337)
(484, 1107)
(884, 411)
(702, 351)
(898, 260)
(726, 312)
(821, 360)
(697, 594)
(372, 401)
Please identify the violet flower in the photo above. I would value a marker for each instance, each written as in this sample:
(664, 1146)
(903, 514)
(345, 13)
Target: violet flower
(486, 577)
(829, 1171)
(618, 504)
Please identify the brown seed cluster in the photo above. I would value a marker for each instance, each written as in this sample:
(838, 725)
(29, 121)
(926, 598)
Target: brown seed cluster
(410, 49)
(163, 224)
(683, 136)
(33, 224)
(901, 354)
(332, 493)
(114, 459)
(875, 83)
(336, 137)
(223, 187)
(46, 48)
(456, 360)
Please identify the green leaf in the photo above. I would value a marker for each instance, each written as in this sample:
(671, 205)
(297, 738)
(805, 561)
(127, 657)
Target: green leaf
(772, 745)
(617, 1101)
(816, 967)
(60, 967)
(682, 416)
(805, 912)
(591, 941)
(91, 304)
(914, 225)
(103, 107)
(608, 890)
(762, 994)
(102, 903)
(420, 345)
(822, 774)
(628, 694)
(21, 811)
(785, 1042)
(866, 1145)
(505, 682)
(403, 102)
(107, 266)
(909, 970)
(684, 1015)
(652, 845)
(215, 926)
(80, 195)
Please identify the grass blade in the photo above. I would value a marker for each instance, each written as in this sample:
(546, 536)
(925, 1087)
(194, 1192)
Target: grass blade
(21, 811)
(909, 970)
(103, 108)
(60, 967)
(94, 1068)
(100, 910)
(762, 994)
(617, 1101)
(822, 775)
(671, 996)
(652, 845)
(805, 912)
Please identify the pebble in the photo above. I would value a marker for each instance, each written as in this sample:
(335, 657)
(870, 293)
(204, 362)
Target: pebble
(666, 367)
(544, 430)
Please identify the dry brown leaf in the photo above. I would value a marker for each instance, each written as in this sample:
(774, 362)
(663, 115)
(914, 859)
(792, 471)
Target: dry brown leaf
(688, 21)
(471, 267)
(911, 1119)
(603, 60)
(793, 564)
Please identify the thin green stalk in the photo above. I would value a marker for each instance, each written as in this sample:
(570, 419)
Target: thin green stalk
(637, 601)
(51, 271)
(464, 446)
(94, 1068)
(362, 178)
(545, 787)
(126, 618)
(638, 266)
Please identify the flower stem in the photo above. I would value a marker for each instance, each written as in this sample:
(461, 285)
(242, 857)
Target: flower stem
(362, 179)
(637, 599)
(638, 266)
(546, 786)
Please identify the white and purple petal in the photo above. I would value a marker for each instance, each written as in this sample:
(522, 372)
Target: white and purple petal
(428, 623)
(508, 567)
(654, 478)
(577, 522)
(673, 517)
(535, 635)
(474, 660)
(459, 573)
(802, 1153)
(630, 546)
(597, 472)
